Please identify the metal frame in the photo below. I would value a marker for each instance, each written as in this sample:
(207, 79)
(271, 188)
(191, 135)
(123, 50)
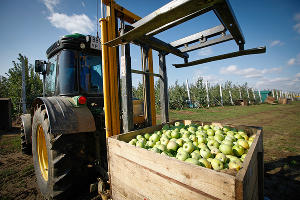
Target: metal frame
(141, 31)
(177, 12)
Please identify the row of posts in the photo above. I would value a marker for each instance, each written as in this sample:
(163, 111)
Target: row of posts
(277, 94)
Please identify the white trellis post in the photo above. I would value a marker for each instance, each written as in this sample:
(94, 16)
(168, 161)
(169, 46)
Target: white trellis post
(240, 92)
(248, 96)
(188, 90)
(231, 98)
(277, 94)
(23, 86)
(207, 95)
(221, 95)
(273, 93)
(260, 96)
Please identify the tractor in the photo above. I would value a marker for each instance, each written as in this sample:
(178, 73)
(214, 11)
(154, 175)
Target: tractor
(87, 89)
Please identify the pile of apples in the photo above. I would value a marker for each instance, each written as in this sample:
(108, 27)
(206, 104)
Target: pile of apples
(207, 146)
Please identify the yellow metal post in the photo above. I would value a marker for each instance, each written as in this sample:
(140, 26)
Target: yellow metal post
(106, 84)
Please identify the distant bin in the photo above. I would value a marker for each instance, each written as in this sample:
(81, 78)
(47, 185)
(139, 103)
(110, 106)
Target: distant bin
(5, 114)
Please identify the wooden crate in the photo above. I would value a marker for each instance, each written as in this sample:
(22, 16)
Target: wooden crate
(137, 173)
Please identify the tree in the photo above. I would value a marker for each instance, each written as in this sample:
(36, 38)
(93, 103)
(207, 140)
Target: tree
(11, 85)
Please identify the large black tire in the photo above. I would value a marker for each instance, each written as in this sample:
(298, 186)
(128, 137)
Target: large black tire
(25, 146)
(65, 168)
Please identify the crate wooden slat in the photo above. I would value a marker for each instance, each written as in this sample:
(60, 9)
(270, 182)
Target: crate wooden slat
(137, 173)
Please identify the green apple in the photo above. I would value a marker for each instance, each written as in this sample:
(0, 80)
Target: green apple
(228, 142)
(201, 139)
(186, 140)
(140, 144)
(236, 165)
(177, 124)
(133, 142)
(193, 161)
(221, 157)
(159, 142)
(206, 127)
(139, 137)
(168, 133)
(147, 136)
(156, 150)
(196, 155)
(172, 145)
(226, 129)
(250, 143)
(238, 150)
(243, 157)
(216, 164)
(204, 163)
(175, 134)
(180, 149)
(226, 149)
(209, 159)
(195, 145)
(213, 143)
(200, 128)
(150, 144)
(202, 146)
(210, 132)
(193, 138)
(205, 153)
(162, 147)
(188, 147)
(219, 137)
(179, 142)
(243, 143)
(164, 141)
(143, 140)
(231, 133)
(245, 136)
(238, 136)
(218, 132)
(232, 158)
(210, 137)
(192, 129)
(154, 137)
(186, 135)
(204, 134)
(182, 155)
(214, 151)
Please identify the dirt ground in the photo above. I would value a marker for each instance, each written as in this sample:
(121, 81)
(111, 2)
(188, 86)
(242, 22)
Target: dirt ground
(281, 146)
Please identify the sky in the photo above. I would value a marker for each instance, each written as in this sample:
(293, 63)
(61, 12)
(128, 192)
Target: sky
(30, 27)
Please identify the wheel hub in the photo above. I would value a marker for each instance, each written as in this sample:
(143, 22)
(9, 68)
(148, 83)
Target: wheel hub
(42, 152)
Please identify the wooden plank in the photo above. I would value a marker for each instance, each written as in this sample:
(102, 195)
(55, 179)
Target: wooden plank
(143, 183)
(218, 184)
(164, 95)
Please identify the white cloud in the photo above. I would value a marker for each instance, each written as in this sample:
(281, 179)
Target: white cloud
(294, 61)
(297, 25)
(281, 83)
(213, 79)
(276, 43)
(248, 72)
(205, 51)
(50, 4)
(73, 24)
(76, 23)
(297, 75)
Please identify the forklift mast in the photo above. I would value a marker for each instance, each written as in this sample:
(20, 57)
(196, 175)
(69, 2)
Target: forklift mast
(141, 31)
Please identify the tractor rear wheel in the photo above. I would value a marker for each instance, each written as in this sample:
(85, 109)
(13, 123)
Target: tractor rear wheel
(56, 157)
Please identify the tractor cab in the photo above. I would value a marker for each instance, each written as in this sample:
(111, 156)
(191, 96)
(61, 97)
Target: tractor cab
(73, 67)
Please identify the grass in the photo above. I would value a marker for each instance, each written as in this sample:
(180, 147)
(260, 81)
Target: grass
(10, 144)
(281, 123)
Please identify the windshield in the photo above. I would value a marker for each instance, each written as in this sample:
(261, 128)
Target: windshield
(90, 74)
(67, 84)
(50, 80)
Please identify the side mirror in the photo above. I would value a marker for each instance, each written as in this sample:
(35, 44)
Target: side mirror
(39, 66)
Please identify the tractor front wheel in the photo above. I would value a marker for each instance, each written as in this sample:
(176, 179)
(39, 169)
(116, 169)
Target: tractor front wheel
(55, 156)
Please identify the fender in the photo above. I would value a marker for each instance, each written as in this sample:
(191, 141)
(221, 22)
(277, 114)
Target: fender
(64, 118)
(26, 121)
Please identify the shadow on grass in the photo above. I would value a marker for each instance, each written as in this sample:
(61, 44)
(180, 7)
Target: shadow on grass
(282, 178)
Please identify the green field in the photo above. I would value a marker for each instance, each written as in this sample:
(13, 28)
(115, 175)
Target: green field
(281, 125)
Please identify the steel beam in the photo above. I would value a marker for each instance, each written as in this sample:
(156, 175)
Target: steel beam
(142, 72)
(207, 43)
(223, 56)
(179, 21)
(168, 13)
(201, 35)
(226, 15)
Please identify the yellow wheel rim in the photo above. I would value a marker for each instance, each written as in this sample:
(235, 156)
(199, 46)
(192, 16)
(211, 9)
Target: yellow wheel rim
(42, 152)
